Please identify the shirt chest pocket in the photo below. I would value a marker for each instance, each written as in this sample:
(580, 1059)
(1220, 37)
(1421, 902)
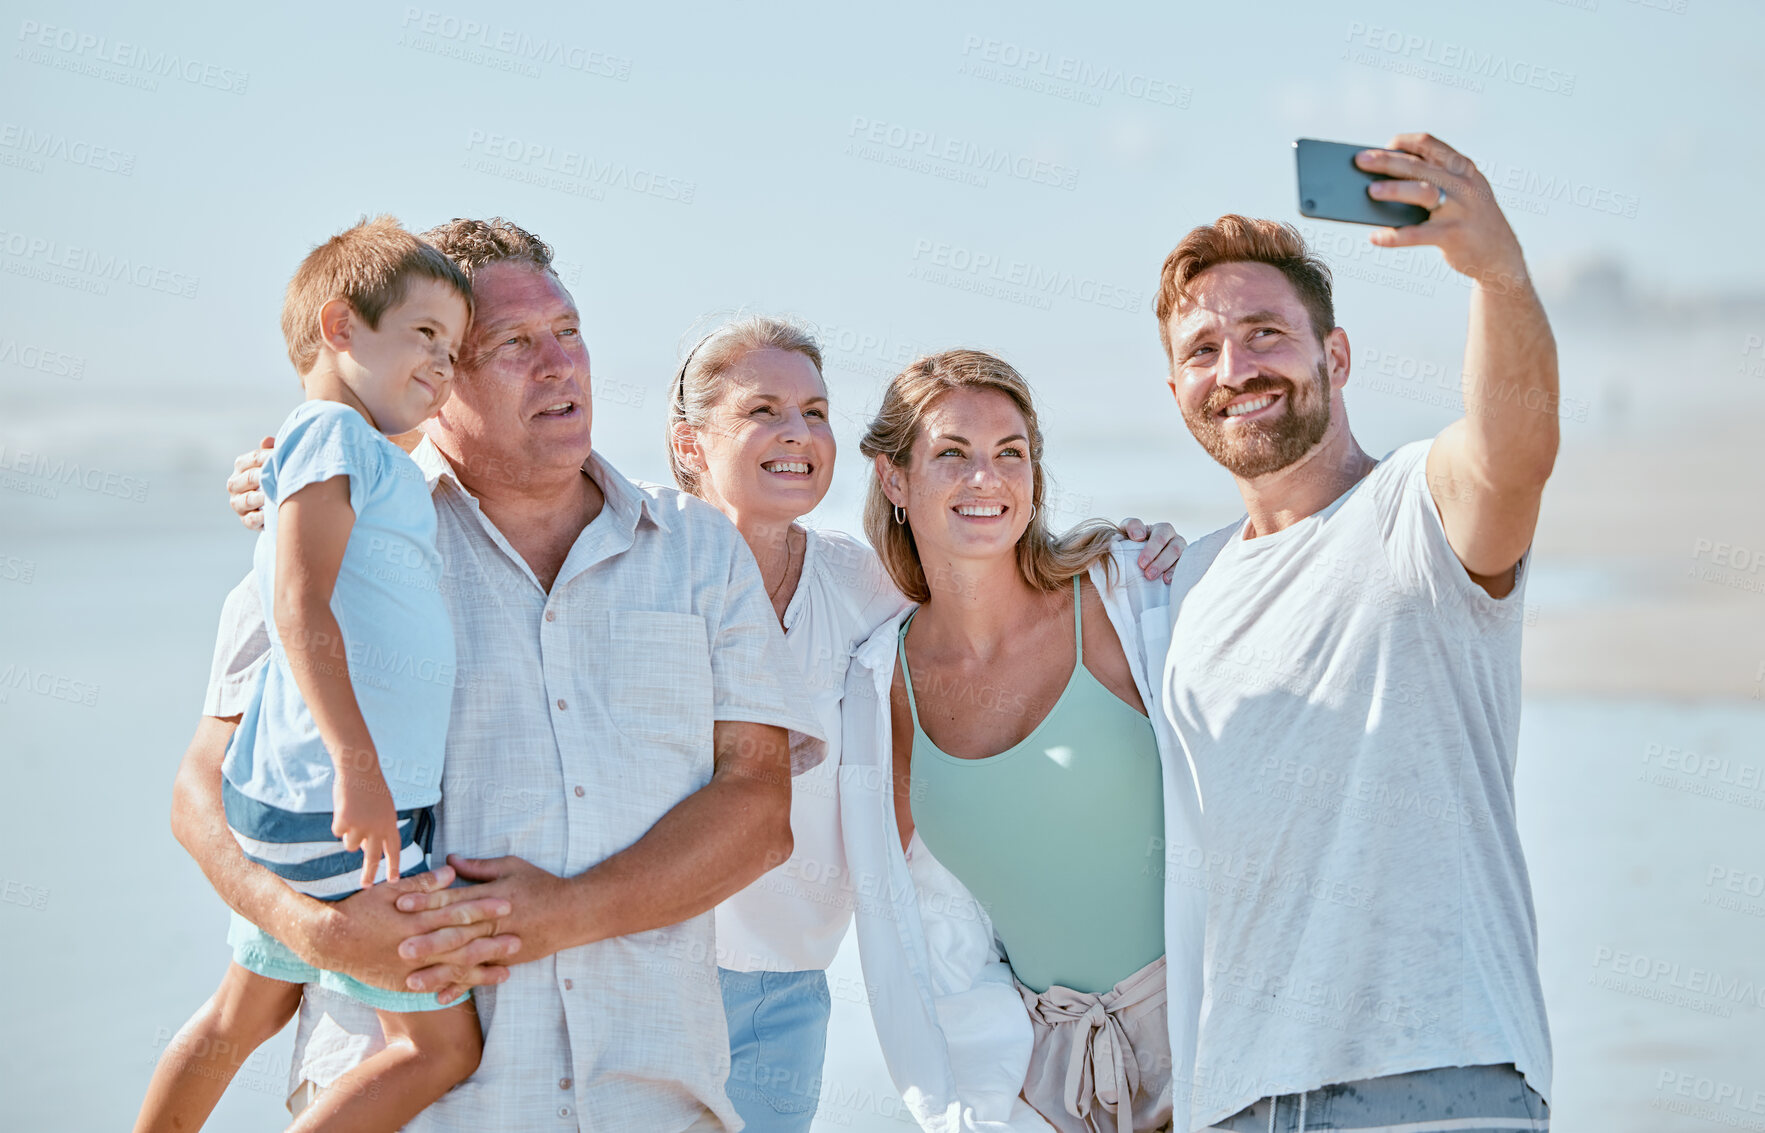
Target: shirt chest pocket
(660, 678)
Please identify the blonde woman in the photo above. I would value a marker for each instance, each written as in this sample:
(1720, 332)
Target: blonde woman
(749, 432)
(1030, 963)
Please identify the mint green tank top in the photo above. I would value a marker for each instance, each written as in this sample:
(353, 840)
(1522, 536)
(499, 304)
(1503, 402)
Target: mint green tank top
(1055, 836)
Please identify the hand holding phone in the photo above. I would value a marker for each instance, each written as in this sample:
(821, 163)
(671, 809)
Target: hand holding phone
(1424, 175)
(1332, 187)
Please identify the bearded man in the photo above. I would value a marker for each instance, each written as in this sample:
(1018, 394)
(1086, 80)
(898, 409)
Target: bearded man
(1344, 673)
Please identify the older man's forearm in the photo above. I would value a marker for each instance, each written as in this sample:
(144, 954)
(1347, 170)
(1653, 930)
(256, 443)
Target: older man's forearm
(713, 844)
(358, 936)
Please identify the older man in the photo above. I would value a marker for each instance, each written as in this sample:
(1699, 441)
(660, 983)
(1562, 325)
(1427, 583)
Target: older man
(618, 758)
(1345, 674)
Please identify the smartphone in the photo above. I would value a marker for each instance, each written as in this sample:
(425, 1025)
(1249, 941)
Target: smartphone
(1332, 187)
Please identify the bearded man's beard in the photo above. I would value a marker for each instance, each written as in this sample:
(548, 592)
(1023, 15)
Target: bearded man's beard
(1258, 448)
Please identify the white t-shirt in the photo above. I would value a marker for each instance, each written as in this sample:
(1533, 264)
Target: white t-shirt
(397, 636)
(1350, 700)
(793, 917)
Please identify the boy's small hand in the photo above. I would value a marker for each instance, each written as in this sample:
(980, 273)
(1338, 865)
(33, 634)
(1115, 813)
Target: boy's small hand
(244, 486)
(365, 819)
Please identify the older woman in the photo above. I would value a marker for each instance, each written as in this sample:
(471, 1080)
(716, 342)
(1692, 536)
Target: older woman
(749, 432)
(1030, 961)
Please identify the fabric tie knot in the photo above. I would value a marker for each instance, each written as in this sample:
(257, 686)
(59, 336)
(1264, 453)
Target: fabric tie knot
(1102, 1068)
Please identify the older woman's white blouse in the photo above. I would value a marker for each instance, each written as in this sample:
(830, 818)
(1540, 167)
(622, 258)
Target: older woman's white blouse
(794, 917)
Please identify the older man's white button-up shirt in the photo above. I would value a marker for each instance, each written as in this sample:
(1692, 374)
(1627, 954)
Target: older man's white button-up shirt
(580, 717)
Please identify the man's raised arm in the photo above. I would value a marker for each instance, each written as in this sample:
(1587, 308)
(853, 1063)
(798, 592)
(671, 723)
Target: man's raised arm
(1488, 469)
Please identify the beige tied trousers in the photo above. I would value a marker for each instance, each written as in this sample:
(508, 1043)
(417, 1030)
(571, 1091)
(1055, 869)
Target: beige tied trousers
(1101, 1062)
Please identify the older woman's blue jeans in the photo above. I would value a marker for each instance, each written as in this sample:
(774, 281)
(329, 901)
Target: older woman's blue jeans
(777, 1042)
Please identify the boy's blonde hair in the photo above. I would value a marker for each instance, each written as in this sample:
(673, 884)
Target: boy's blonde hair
(369, 266)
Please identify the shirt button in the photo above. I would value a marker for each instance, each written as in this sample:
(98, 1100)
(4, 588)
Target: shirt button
(563, 1083)
(579, 792)
(568, 984)
(563, 1111)
(551, 615)
(561, 704)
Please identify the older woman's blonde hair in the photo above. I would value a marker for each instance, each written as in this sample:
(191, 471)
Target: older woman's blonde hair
(699, 381)
(1047, 562)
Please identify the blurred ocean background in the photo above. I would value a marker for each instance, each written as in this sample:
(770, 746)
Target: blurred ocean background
(909, 178)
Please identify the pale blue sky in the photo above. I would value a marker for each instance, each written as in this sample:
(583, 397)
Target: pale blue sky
(353, 108)
(765, 111)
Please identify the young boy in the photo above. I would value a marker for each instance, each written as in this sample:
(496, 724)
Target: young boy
(336, 765)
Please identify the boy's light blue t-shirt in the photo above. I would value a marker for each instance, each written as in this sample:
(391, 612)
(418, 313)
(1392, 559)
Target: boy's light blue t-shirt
(397, 637)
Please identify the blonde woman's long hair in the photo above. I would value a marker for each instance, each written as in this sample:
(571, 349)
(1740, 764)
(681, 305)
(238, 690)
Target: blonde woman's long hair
(1046, 562)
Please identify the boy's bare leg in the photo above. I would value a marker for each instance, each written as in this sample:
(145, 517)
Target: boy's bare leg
(427, 1054)
(245, 1011)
